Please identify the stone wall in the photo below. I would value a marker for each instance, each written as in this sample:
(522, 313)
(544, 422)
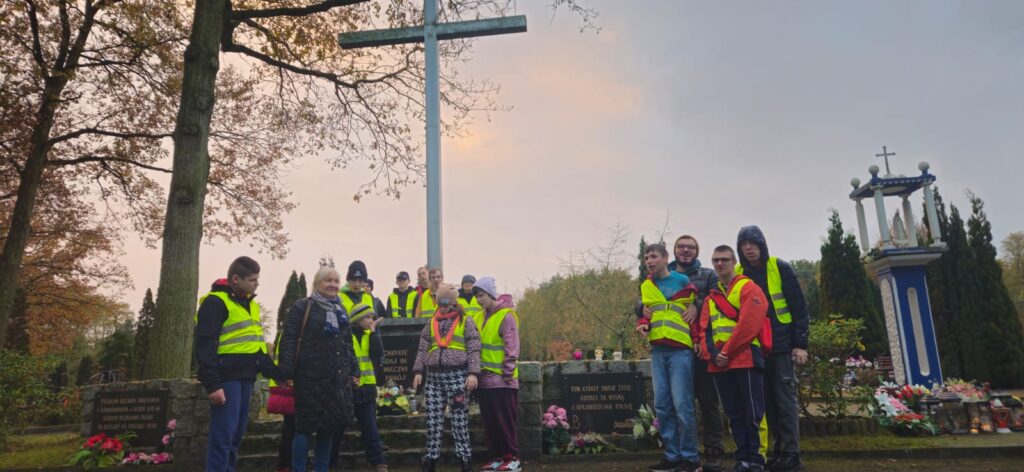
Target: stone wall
(188, 404)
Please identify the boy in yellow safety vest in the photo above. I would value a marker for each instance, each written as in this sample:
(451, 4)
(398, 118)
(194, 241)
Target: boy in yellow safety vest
(499, 375)
(230, 351)
(734, 337)
(369, 351)
(667, 295)
(787, 311)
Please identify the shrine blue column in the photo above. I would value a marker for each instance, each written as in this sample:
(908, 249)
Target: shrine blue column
(908, 316)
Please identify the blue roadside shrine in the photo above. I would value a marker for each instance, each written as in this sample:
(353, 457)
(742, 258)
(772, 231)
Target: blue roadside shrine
(899, 260)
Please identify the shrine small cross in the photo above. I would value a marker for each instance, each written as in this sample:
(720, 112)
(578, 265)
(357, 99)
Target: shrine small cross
(886, 155)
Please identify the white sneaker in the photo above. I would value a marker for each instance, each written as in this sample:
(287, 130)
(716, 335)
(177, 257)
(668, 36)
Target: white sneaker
(492, 466)
(510, 465)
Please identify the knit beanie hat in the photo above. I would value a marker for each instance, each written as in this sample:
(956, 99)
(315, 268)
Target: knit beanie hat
(356, 271)
(359, 311)
(488, 285)
(446, 295)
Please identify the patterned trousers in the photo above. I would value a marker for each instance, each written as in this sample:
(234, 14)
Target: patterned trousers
(447, 388)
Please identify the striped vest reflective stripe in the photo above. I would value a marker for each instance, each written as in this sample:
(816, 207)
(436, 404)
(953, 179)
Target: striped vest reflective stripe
(458, 338)
(473, 309)
(722, 326)
(427, 306)
(241, 332)
(666, 315)
(492, 356)
(774, 290)
(362, 349)
(396, 308)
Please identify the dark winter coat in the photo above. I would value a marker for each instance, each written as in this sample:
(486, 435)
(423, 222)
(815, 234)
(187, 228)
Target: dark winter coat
(785, 337)
(322, 373)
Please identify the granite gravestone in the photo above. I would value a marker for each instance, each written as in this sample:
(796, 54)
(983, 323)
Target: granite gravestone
(143, 413)
(602, 402)
(401, 339)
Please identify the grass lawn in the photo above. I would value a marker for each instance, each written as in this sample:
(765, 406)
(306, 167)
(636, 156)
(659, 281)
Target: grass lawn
(39, 450)
(888, 441)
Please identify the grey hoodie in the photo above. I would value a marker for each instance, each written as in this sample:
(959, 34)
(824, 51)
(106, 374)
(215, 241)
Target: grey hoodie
(785, 337)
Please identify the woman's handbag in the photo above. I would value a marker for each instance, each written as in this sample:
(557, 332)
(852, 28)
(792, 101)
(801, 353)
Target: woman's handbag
(282, 397)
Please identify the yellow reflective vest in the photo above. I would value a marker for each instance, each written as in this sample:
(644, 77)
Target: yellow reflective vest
(241, 332)
(410, 305)
(458, 337)
(427, 306)
(492, 356)
(666, 315)
(774, 290)
(473, 309)
(346, 301)
(722, 326)
(362, 349)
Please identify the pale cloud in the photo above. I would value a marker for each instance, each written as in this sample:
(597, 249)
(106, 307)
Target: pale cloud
(717, 114)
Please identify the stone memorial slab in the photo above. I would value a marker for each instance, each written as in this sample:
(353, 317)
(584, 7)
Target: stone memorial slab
(401, 339)
(603, 402)
(141, 412)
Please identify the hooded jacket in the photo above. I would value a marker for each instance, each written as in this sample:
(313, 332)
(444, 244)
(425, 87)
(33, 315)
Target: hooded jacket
(785, 337)
(217, 368)
(509, 331)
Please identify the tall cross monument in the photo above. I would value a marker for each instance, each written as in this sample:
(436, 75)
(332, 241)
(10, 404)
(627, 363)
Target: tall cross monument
(428, 34)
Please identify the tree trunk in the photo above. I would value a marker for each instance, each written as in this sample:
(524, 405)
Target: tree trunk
(28, 188)
(170, 350)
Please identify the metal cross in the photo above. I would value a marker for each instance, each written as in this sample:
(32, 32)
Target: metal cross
(428, 34)
(886, 154)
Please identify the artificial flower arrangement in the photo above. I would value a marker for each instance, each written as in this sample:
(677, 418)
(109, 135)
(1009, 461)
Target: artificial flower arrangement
(589, 443)
(162, 454)
(556, 429)
(101, 451)
(391, 401)
(645, 426)
(889, 407)
(968, 391)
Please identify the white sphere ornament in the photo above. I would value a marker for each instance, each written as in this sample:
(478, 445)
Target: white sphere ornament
(855, 182)
(923, 166)
(873, 170)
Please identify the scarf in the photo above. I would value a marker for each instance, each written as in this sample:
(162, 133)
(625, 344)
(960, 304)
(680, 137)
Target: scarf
(436, 321)
(331, 307)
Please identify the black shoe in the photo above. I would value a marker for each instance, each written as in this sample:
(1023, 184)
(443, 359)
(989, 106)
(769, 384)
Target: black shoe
(787, 463)
(465, 466)
(713, 459)
(665, 466)
(687, 466)
(384, 447)
(428, 465)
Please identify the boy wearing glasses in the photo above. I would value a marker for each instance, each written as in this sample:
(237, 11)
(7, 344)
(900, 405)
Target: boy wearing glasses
(734, 334)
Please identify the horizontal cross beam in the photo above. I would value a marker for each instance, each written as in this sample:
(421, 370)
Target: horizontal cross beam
(414, 34)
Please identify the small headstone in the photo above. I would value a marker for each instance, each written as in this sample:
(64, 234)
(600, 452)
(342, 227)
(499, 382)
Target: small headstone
(401, 338)
(141, 412)
(602, 403)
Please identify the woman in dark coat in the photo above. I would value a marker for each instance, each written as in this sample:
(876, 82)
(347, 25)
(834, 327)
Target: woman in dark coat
(323, 373)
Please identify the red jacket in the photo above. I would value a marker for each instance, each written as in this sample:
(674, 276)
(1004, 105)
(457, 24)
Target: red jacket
(750, 324)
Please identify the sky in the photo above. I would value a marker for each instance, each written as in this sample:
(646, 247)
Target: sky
(712, 115)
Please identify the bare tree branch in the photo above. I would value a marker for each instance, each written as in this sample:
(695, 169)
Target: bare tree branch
(65, 35)
(37, 48)
(104, 132)
(104, 160)
(292, 11)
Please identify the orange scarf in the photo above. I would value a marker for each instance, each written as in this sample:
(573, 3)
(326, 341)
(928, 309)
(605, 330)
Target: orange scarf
(435, 321)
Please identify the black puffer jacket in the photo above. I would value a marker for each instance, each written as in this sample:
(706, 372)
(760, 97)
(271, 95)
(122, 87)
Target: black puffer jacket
(323, 371)
(785, 337)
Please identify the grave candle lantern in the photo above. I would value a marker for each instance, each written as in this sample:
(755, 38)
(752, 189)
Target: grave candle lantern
(1016, 413)
(953, 417)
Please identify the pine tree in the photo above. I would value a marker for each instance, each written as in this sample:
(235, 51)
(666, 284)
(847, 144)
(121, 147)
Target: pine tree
(846, 289)
(85, 368)
(1001, 342)
(807, 274)
(293, 291)
(942, 293)
(147, 316)
(640, 257)
(17, 326)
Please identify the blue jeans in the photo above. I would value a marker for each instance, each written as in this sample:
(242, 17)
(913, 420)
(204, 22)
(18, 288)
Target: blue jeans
(321, 451)
(366, 416)
(227, 426)
(672, 373)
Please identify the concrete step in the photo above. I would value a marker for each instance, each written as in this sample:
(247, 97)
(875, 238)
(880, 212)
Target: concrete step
(349, 458)
(395, 439)
(384, 423)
